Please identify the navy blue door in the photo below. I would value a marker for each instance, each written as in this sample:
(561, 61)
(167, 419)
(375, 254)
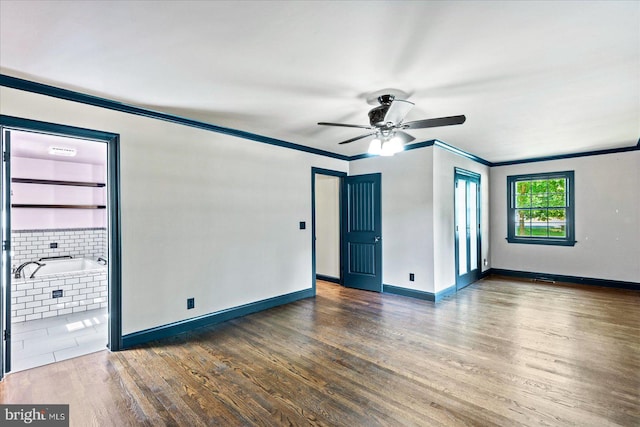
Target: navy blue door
(363, 233)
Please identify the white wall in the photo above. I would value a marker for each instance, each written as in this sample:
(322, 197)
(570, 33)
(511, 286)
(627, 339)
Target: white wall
(407, 215)
(204, 215)
(445, 162)
(607, 220)
(38, 218)
(328, 225)
(418, 218)
(215, 217)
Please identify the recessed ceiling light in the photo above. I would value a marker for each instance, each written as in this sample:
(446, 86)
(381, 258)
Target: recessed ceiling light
(62, 151)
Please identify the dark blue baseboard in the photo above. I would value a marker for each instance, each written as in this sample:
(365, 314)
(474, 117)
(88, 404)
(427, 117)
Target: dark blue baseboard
(165, 331)
(413, 293)
(446, 292)
(328, 278)
(405, 292)
(567, 279)
(187, 325)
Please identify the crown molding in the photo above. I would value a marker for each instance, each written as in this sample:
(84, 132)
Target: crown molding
(66, 94)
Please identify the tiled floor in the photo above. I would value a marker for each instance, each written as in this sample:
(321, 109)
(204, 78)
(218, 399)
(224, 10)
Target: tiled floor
(39, 342)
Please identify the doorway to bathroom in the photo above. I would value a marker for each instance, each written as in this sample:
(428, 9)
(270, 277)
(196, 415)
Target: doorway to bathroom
(60, 226)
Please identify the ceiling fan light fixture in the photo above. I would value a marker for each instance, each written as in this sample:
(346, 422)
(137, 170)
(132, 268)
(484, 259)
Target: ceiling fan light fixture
(375, 147)
(386, 122)
(386, 151)
(392, 146)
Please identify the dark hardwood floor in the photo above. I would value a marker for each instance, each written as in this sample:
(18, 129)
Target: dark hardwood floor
(500, 352)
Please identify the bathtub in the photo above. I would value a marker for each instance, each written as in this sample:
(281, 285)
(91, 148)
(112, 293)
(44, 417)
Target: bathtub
(60, 287)
(63, 266)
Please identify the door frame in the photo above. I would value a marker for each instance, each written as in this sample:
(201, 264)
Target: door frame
(340, 175)
(468, 175)
(5, 290)
(113, 211)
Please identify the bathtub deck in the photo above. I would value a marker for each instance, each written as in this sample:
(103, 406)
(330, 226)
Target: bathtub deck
(40, 342)
(33, 299)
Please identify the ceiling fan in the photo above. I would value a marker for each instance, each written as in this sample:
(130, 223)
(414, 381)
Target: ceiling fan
(386, 123)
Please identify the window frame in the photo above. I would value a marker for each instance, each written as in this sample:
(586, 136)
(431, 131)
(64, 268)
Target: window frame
(569, 240)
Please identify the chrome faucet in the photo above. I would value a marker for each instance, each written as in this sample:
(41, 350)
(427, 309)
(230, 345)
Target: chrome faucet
(102, 260)
(24, 264)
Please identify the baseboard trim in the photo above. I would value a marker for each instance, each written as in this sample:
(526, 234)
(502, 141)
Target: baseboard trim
(406, 292)
(446, 292)
(567, 279)
(328, 278)
(423, 295)
(187, 325)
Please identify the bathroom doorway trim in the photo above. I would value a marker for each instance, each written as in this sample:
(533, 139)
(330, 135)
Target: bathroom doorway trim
(114, 222)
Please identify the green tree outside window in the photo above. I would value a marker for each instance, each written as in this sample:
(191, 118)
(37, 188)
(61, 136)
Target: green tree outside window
(541, 208)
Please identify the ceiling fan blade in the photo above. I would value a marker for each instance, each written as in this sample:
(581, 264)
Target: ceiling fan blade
(344, 125)
(432, 123)
(397, 111)
(357, 138)
(405, 137)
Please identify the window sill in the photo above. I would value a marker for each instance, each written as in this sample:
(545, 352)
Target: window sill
(548, 242)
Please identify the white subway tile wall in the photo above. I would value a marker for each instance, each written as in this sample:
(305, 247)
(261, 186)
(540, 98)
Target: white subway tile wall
(31, 245)
(33, 298)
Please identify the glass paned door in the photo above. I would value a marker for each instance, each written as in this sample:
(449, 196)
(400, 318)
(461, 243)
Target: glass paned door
(467, 227)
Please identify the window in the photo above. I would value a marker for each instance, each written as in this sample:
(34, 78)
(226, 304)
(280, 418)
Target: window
(541, 208)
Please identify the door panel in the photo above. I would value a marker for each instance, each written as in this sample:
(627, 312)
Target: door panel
(467, 227)
(363, 233)
(362, 258)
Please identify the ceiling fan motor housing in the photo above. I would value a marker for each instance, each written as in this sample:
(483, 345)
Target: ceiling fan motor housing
(377, 114)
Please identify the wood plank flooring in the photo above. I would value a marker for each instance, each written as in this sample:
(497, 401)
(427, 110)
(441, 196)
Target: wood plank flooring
(500, 352)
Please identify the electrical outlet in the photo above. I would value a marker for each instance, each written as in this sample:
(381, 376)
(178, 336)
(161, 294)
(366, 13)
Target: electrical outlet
(57, 293)
(53, 246)
(303, 225)
(191, 303)
(412, 277)
(486, 262)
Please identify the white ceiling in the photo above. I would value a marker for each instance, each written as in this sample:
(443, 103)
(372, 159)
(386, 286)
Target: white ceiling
(533, 78)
